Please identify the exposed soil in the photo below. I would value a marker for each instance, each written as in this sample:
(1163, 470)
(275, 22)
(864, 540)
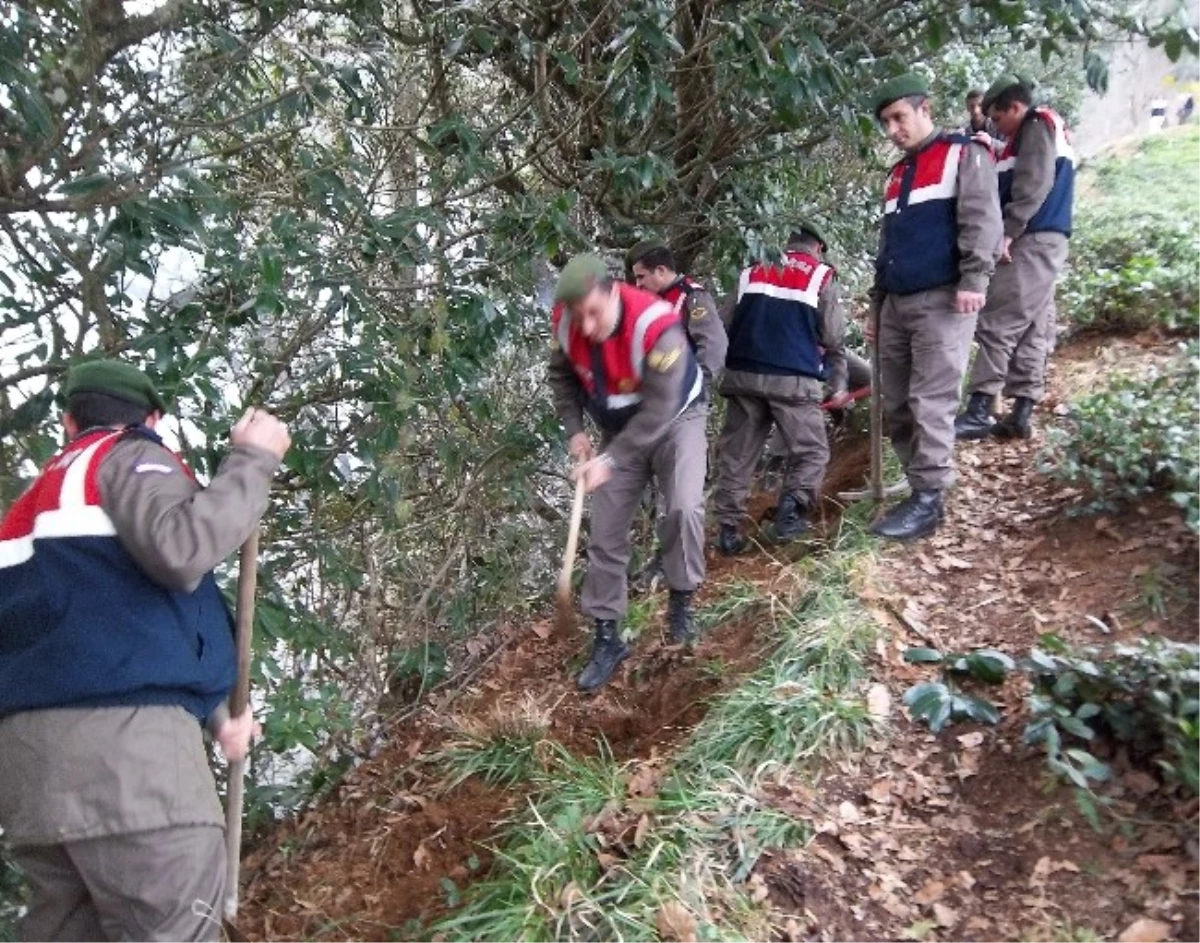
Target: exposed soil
(373, 860)
(964, 836)
(955, 836)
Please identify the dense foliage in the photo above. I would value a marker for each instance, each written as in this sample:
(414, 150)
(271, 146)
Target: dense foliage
(349, 211)
(1137, 435)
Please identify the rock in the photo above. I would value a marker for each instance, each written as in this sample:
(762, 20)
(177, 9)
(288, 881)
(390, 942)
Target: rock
(1145, 930)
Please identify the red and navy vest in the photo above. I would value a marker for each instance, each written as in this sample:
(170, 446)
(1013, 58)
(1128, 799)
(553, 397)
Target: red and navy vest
(610, 373)
(676, 295)
(81, 625)
(776, 326)
(1054, 215)
(919, 248)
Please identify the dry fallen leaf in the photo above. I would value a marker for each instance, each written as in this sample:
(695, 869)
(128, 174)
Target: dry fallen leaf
(835, 861)
(541, 630)
(676, 923)
(965, 880)
(848, 812)
(945, 916)
(971, 741)
(929, 892)
(639, 834)
(879, 701)
(421, 858)
(1145, 930)
(645, 781)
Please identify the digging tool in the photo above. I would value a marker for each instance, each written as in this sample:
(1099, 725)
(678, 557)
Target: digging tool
(876, 412)
(564, 613)
(238, 702)
(876, 492)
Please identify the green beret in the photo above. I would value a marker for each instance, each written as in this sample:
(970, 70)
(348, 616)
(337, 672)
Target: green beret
(999, 87)
(579, 276)
(639, 251)
(807, 226)
(902, 86)
(115, 378)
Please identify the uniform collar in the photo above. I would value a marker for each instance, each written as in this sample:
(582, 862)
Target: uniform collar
(933, 136)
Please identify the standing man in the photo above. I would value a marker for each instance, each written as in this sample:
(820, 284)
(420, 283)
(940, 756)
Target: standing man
(621, 354)
(785, 322)
(115, 646)
(653, 267)
(941, 235)
(1016, 328)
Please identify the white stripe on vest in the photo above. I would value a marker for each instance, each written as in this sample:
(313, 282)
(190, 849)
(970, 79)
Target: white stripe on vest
(943, 189)
(640, 327)
(74, 517)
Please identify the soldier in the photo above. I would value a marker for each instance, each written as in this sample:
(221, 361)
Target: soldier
(115, 645)
(1016, 328)
(941, 235)
(785, 321)
(621, 354)
(654, 269)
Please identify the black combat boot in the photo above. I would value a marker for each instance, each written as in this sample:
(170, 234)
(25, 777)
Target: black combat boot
(1015, 423)
(791, 518)
(918, 515)
(679, 617)
(729, 542)
(976, 421)
(608, 651)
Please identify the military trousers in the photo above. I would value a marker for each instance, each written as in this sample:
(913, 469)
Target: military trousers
(165, 884)
(1027, 368)
(1013, 334)
(924, 344)
(677, 463)
(755, 405)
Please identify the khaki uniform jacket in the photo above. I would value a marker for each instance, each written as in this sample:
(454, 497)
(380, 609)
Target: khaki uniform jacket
(74, 773)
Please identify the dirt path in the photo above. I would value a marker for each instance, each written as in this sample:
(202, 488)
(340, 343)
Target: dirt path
(962, 835)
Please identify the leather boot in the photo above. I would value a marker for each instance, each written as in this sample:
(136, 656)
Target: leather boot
(791, 519)
(1015, 423)
(679, 617)
(729, 542)
(916, 516)
(976, 421)
(608, 651)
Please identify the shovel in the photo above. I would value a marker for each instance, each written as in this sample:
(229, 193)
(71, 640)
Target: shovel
(238, 702)
(876, 491)
(564, 615)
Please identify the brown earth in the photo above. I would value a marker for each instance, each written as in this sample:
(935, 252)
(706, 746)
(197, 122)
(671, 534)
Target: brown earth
(964, 835)
(955, 836)
(375, 860)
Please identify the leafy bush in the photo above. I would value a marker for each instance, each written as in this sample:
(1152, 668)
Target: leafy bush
(1145, 695)
(1133, 438)
(1128, 275)
(943, 702)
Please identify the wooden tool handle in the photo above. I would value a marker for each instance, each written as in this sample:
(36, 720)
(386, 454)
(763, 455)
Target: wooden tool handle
(239, 700)
(876, 410)
(564, 576)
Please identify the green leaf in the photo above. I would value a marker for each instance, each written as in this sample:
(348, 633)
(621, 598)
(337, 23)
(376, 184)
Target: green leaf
(1078, 728)
(82, 186)
(980, 710)
(989, 665)
(922, 656)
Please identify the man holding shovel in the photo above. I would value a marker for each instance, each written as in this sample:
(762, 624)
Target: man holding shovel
(621, 355)
(115, 646)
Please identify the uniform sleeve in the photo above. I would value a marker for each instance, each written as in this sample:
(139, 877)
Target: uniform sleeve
(728, 307)
(565, 391)
(980, 230)
(662, 382)
(707, 331)
(176, 531)
(1033, 176)
(833, 336)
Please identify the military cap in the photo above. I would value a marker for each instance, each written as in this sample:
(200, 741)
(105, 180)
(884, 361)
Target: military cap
(805, 225)
(642, 249)
(1002, 85)
(902, 86)
(579, 276)
(115, 378)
